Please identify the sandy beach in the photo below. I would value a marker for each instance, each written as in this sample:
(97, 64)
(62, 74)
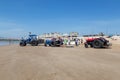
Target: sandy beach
(59, 63)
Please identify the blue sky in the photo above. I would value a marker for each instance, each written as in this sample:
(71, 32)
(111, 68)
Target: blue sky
(18, 17)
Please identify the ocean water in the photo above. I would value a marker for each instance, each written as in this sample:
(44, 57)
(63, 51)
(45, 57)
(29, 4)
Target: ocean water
(3, 43)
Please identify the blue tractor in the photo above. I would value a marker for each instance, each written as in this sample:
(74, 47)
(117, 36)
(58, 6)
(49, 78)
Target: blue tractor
(32, 39)
(54, 42)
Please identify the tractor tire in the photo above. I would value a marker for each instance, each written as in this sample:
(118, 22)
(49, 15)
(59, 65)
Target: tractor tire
(97, 44)
(53, 44)
(22, 44)
(91, 45)
(34, 43)
(86, 45)
(49, 44)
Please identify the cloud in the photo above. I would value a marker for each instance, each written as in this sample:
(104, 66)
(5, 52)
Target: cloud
(109, 26)
(8, 24)
(11, 29)
(12, 33)
(96, 26)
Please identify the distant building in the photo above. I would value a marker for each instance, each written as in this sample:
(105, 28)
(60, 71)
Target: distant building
(115, 37)
(57, 34)
(65, 35)
(73, 34)
(50, 35)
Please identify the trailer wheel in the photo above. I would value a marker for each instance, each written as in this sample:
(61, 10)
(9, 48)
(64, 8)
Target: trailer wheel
(45, 45)
(34, 43)
(97, 44)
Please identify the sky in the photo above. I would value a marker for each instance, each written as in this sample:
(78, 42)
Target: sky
(19, 17)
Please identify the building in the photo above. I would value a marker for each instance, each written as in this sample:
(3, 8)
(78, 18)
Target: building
(73, 34)
(51, 35)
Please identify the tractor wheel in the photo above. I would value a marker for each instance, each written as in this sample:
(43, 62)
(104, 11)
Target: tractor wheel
(86, 45)
(53, 44)
(22, 44)
(49, 44)
(97, 44)
(91, 45)
(34, 43)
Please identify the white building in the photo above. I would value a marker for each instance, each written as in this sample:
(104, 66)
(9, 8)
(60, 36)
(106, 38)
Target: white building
(115, 37)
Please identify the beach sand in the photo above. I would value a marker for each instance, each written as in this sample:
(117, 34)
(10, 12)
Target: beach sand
(59, 63)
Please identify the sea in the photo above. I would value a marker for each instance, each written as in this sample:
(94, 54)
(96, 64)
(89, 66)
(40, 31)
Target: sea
(5, 43)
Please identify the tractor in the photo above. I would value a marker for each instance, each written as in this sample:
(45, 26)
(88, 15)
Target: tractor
(32, 39)
(54, 42)
(97, 43)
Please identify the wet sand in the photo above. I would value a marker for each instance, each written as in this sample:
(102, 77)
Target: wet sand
(59, 63)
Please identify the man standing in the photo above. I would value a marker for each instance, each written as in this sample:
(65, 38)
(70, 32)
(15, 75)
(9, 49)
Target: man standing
(76, 42)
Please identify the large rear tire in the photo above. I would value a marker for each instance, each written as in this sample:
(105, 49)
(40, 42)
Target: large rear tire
(22, 44)
(97, 44)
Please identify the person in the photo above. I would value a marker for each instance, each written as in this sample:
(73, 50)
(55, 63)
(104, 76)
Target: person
(81, 41)
(65, 41)
(76, 42)
(68, 41)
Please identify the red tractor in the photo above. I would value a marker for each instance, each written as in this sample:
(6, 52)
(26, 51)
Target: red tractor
(97, 43)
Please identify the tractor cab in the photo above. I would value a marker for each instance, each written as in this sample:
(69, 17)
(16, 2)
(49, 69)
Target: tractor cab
(32, 37)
